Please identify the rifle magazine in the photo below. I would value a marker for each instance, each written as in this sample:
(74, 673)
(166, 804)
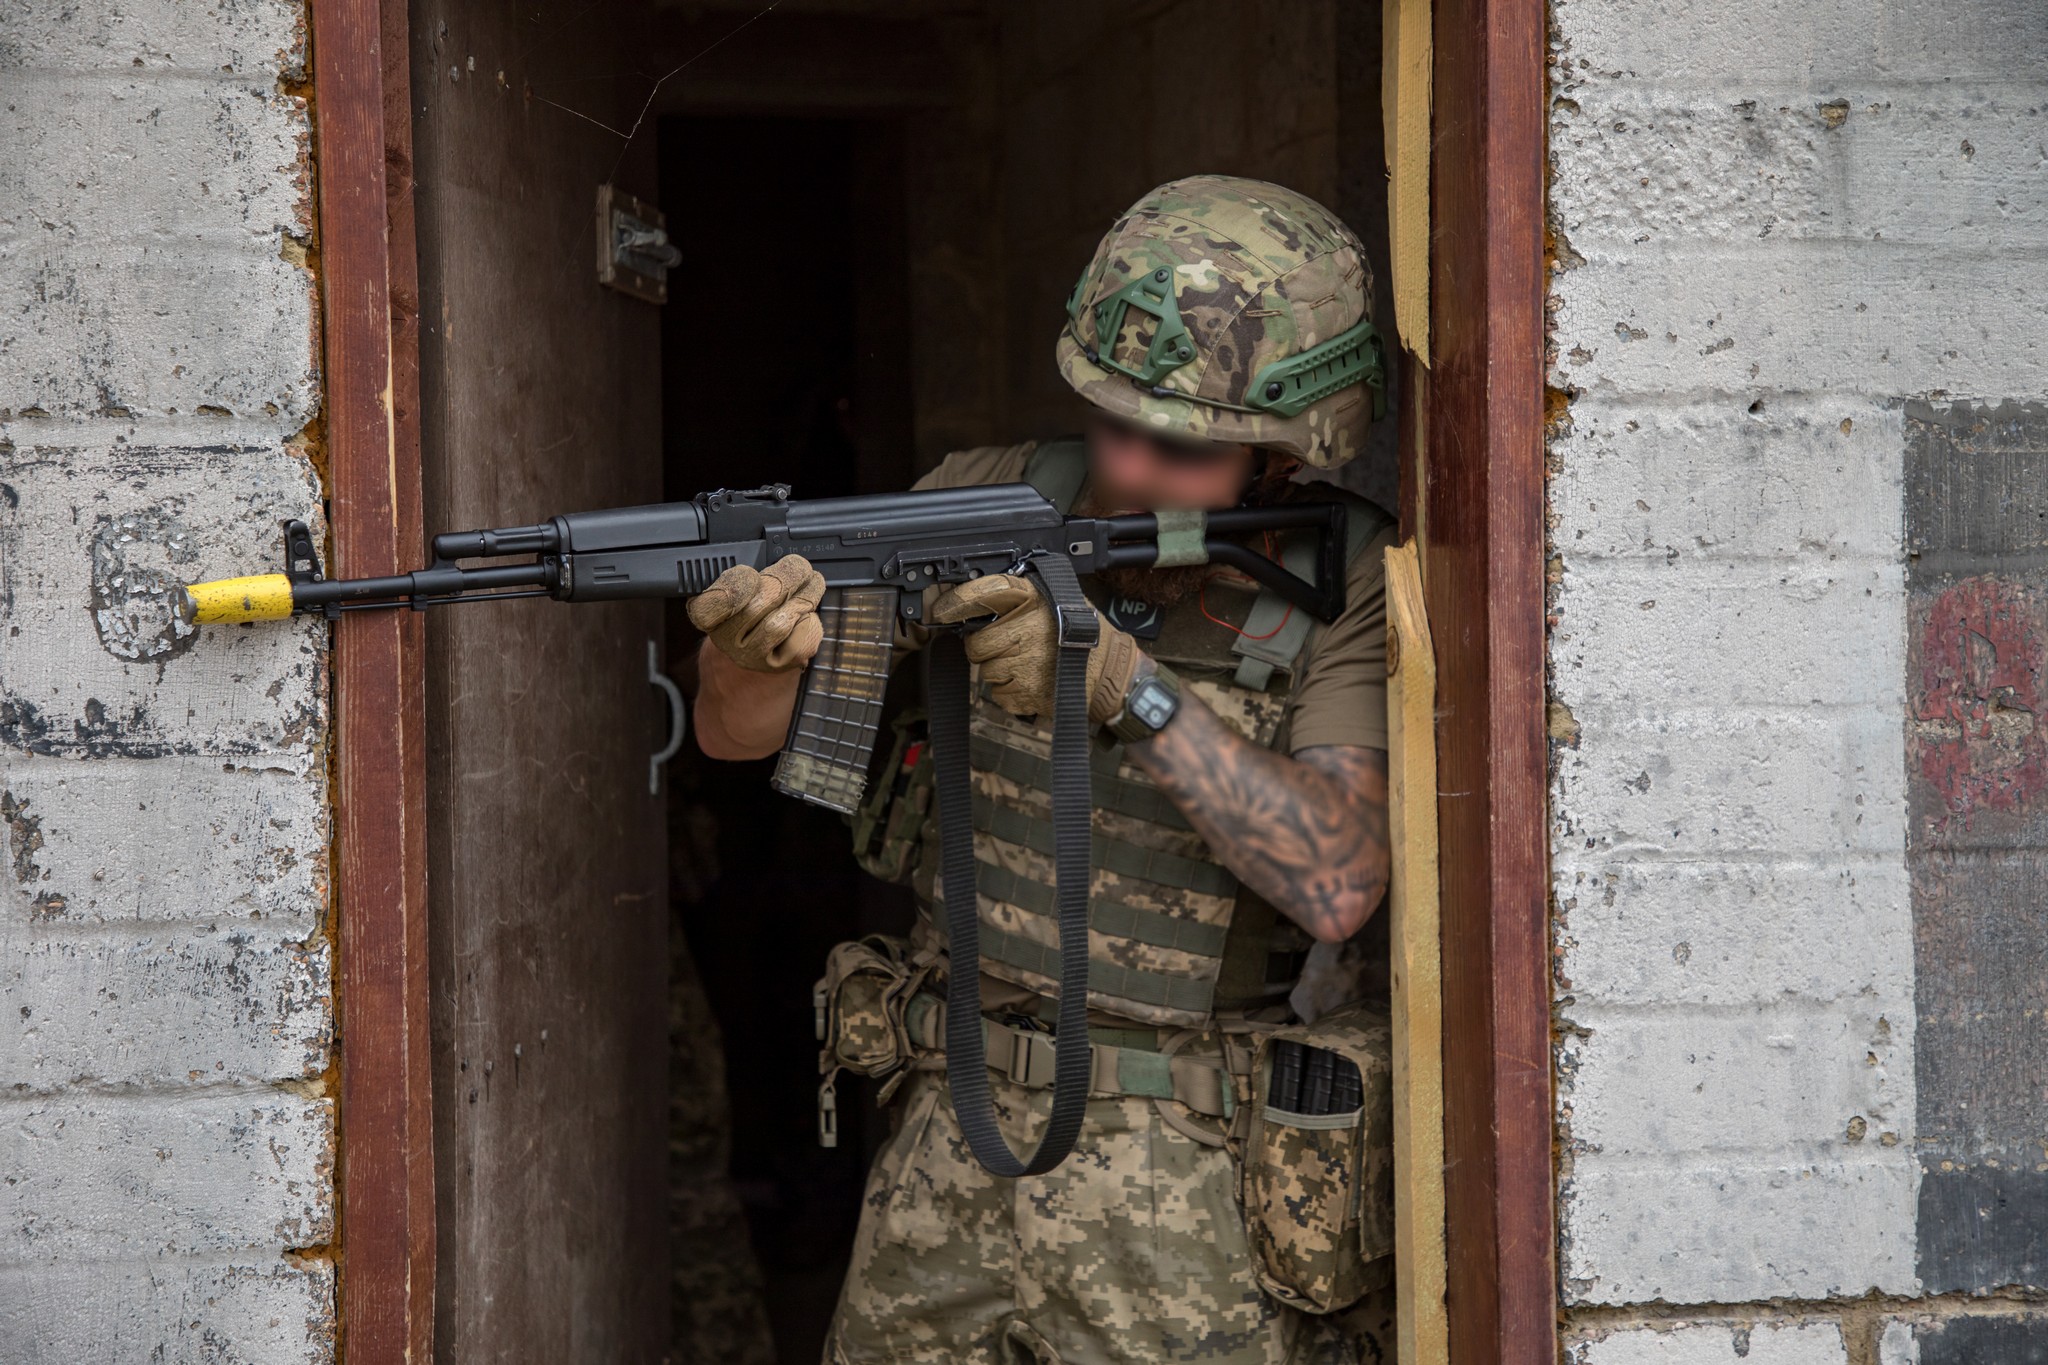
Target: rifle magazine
(838, 713)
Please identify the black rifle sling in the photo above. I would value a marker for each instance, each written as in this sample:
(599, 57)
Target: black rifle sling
(947, 692)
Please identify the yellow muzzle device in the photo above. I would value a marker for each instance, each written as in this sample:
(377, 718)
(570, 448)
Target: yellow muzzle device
(230, 601)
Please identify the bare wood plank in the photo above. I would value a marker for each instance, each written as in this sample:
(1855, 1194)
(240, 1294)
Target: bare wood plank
(386, 1158)
(1417, 967)
(1404, 92)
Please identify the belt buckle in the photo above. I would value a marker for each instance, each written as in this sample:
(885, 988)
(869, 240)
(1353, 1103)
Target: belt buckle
(1031, 1058)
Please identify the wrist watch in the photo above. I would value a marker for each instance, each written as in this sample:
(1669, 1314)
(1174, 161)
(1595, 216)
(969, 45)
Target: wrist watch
(1154, 699)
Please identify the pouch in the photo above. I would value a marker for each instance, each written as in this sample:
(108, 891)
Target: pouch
(886, 828)
(860, 1002)
(1318, 1188)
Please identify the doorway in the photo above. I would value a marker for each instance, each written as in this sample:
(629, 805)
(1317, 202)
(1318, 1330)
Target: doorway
(956, 162)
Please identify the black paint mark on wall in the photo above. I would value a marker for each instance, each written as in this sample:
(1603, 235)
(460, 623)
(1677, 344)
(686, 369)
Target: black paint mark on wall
(2001, 1340)
(1976, 519)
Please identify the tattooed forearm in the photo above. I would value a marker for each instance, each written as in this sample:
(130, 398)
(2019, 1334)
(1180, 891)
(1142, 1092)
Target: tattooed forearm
(1308, 833)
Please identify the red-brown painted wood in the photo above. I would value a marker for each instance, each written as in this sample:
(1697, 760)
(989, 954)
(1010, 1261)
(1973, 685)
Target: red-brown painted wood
(369, 297)
(1483, 437)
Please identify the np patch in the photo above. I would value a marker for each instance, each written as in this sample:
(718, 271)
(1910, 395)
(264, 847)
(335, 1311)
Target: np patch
(1134, 616)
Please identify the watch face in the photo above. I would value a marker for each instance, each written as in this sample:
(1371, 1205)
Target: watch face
(1152, 704)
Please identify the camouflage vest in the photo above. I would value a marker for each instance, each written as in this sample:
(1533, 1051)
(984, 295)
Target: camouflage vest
(1173, 937)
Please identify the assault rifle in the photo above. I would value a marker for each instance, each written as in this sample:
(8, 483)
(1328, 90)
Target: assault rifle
(878, 554)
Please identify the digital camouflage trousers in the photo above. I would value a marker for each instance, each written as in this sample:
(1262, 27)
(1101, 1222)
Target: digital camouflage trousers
(1132, 1250)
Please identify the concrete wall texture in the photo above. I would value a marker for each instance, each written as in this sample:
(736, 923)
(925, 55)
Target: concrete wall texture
(1800, 318)
(166, 1013)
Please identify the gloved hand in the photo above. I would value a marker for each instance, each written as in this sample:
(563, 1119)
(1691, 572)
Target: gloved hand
(765, 621)
(1017, 652)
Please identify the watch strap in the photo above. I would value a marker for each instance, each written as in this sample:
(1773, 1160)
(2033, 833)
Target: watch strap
(1127, 727)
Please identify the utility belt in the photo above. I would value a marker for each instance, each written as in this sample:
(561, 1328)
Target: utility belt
(1304, 1110)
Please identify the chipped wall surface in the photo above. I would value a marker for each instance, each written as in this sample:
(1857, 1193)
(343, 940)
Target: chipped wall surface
(1800, 318)
(166, 1011)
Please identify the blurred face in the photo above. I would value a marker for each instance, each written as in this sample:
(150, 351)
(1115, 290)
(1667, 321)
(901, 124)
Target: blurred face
(1133, 469)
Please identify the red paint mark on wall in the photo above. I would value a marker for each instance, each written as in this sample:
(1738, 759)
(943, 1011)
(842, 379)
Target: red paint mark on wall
(1977, 728)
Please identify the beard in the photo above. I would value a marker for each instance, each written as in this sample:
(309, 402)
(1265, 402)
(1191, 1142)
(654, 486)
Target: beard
(1166, 588)
(1162, 588)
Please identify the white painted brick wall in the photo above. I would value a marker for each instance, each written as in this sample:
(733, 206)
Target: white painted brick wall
(166, 1006)
(1776, 220)
(1686, 1343)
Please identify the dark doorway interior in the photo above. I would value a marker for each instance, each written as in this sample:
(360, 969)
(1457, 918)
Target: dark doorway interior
(881, 207)
(781, 362)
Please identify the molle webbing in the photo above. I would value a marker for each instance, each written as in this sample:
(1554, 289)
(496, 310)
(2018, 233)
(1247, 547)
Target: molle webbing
(1110, 855)
(1255, 979)
(1191, 995)
(1111, 917)
(1141, 801)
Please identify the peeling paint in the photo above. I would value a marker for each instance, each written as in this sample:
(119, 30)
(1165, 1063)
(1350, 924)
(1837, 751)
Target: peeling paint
(25, 837)
(1976, 719)
(140, 562)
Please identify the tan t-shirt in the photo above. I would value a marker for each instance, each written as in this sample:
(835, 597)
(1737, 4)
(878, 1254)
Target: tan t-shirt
(1341, 697)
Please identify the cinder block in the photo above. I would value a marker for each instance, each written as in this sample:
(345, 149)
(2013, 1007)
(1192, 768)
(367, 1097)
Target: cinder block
(1804, 317)
(179, 164)
(1737, 1229)
(1947, 1337)
(158, 330)
(1713, 1343)
(266, 37)
(1707, 782)
(1637, 167)
(180, 1313)
(93, 545)
(1816, 479)
(125, 840)
(1705, 42)
(1733, 933)
(1696, 1083)
(151, 1174)
(154, 269)
(1685, 631)
(201, 1004)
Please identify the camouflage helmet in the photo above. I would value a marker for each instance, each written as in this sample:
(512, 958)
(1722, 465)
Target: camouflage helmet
(1226, 309)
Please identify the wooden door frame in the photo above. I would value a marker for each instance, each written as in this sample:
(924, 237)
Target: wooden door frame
(1484, 537)
(369, 287)
(1481, 412)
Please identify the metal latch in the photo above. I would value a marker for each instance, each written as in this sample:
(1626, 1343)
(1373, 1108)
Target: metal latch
(634, 254)
(678, 719)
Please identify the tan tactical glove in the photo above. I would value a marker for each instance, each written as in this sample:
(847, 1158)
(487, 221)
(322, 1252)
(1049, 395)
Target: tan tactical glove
(1017, 652)
(765, 621)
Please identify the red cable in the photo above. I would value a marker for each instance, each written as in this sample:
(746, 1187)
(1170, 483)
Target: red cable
(1202, 600)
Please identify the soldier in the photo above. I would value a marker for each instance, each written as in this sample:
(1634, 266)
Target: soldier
(1240, 796)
